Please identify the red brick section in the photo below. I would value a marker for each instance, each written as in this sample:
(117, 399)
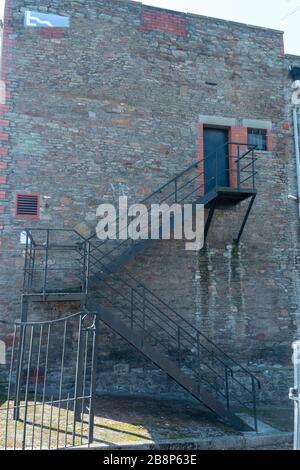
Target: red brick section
(200, 157)
(3, 151)
(164, 21)
(238, 135)
(35, 375)
(52, 33)
(5, 108)
(269, 141)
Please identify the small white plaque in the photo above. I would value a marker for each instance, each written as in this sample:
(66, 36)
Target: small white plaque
(35, 19)
(23, 237)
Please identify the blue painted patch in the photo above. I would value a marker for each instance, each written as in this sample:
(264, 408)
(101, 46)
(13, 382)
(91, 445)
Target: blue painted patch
(35, 19)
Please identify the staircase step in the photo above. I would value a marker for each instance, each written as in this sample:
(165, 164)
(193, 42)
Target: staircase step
(137, 340)
(154, 328)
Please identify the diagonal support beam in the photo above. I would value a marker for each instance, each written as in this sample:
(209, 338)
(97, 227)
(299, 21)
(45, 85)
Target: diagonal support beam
(209, 220)
(20, 357)
(237, 240)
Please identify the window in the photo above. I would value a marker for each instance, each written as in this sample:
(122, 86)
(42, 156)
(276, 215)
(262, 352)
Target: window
(28, 206)
(258, 137)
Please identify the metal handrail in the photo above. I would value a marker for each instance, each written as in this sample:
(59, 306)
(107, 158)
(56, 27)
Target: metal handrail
(177, 189)
(47, 322)
(190, 340)
(97, 247)
(174, 312)
(251, 148)
(164, 304)
(183, 333)
(123, 243)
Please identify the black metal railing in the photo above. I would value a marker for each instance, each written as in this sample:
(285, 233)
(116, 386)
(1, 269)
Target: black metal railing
(56, 259)
(52, 384)
(162, 326)
(187, 187)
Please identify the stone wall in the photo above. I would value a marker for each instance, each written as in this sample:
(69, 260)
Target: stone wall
(111, 106)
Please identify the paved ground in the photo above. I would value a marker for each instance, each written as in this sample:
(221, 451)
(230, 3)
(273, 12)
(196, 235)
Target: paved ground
(127, 419)
(134, 421)
(150, 420)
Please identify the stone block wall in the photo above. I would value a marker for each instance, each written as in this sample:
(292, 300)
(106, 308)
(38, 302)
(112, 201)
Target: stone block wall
(111, 106)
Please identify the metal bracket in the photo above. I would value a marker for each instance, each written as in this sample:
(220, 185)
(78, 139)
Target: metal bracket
(209, 220)
(237, 240)
(294, 394)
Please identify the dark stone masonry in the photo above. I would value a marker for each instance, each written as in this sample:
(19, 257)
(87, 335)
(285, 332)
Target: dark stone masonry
(115, 105)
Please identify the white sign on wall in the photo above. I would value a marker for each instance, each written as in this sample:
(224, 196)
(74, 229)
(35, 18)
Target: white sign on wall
(35, 19)
(23, 238)
(2, 353)
(296, 93)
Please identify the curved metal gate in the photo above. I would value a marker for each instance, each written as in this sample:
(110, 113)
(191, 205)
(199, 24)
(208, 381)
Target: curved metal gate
(51, 386)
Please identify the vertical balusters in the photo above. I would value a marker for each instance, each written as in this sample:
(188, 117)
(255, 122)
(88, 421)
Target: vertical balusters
(84, 382)
(132, 308)
(19, 371)
(67, 421)
(36, 384)
(27, 389)
(50, 423)
(254, 403)
(93, 380)
(9, 388)
(78, 378)
(25, 278)
(179, 344)
(227, 388)
(46, 263)
(62, 365)
(87, 274)
(238, 167)
(144, 310)
(44, 384)
(253, 169)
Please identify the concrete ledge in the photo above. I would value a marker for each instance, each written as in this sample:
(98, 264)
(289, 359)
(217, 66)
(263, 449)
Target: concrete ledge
(257, 124)
(233, 122)
(249, 441)
(217, 120)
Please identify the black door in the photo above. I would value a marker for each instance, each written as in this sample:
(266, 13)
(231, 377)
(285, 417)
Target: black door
(216, 160)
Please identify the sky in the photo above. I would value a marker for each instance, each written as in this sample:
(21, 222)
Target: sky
(276, 14)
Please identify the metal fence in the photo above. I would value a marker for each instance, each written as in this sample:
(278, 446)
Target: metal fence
(295, 394)
(51, 387)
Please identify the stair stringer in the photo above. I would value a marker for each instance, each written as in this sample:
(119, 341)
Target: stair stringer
(169, 367)
(128, 255)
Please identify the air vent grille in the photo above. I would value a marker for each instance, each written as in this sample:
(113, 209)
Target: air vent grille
(28, 205)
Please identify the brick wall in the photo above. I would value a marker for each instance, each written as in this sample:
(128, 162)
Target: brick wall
(164, 21)
(200, 157)
(5, 108)
(239, 135)
(95, 116)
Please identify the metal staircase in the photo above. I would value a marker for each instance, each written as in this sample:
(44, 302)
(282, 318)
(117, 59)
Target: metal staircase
(188, 187)
(62, 265)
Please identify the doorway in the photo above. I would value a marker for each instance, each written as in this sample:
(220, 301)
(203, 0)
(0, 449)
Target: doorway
(216, 155)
